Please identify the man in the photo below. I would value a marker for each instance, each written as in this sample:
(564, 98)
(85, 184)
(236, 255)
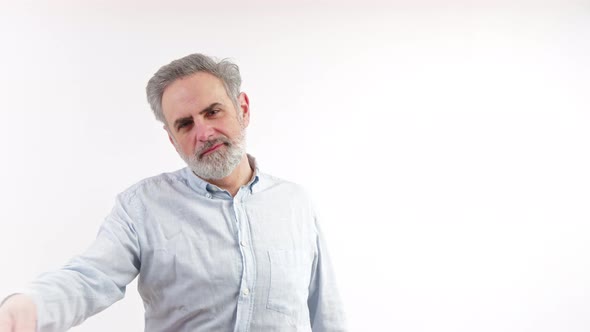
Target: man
(218, 246)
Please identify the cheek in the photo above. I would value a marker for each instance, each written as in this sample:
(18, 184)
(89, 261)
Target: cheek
(187, 145)
(234, 129)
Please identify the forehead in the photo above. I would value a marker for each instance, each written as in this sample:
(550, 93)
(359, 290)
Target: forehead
(192, 93)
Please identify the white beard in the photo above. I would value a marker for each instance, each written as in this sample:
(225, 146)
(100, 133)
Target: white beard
(219, 163)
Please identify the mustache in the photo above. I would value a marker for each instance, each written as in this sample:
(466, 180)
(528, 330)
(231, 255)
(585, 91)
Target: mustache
(211, 143)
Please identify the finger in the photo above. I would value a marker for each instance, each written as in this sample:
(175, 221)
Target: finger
(24, 325)
(24, 322)
(5, 322)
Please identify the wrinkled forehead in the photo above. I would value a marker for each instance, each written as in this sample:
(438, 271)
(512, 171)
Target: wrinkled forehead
(192, 94)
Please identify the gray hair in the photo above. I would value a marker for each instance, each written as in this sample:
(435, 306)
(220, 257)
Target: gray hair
(226, 71)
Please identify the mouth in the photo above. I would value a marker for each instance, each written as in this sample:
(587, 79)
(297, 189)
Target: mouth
(213, 148)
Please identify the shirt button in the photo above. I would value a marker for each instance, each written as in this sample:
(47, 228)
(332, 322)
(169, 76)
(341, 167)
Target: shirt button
(246, 291)
(208, 195)
(242, 243)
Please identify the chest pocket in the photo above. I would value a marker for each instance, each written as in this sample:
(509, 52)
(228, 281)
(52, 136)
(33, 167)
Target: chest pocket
(179, 271)
(288, 282)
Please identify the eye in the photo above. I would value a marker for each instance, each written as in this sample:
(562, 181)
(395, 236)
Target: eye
(184, 124)
(213, 112)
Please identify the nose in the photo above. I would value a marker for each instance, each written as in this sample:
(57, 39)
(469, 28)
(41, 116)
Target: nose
(204, 130)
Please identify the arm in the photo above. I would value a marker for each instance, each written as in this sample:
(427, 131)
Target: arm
(91, 282)
(325, 307)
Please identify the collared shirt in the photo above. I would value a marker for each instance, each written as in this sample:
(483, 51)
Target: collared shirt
(206, 261)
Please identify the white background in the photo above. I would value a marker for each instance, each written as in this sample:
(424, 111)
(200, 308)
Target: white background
(446, 145)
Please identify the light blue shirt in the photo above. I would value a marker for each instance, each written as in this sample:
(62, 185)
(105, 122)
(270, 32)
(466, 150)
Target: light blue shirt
(206, 261)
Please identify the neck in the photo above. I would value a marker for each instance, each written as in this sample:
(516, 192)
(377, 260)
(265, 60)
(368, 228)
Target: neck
(241, 175)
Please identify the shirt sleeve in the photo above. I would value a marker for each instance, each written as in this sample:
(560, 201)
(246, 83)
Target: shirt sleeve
(90, 282)
(324, 303)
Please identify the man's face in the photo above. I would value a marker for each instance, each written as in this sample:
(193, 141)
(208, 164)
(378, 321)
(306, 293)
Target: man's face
(204, 125)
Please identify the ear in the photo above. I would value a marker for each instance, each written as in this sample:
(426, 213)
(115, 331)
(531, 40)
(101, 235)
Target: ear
(244, 107)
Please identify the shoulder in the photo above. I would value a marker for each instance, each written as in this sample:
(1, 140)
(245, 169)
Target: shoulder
(156, 184)
(280, 187)
(270, 182)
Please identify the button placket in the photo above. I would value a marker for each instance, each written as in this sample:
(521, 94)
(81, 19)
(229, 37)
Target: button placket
(246, 300)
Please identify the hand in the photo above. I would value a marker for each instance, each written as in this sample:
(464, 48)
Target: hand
(18, 314)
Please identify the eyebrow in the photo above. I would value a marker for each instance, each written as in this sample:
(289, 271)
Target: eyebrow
(183, 120)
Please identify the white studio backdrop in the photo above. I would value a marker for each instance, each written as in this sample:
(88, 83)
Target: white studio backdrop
(446, 145)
